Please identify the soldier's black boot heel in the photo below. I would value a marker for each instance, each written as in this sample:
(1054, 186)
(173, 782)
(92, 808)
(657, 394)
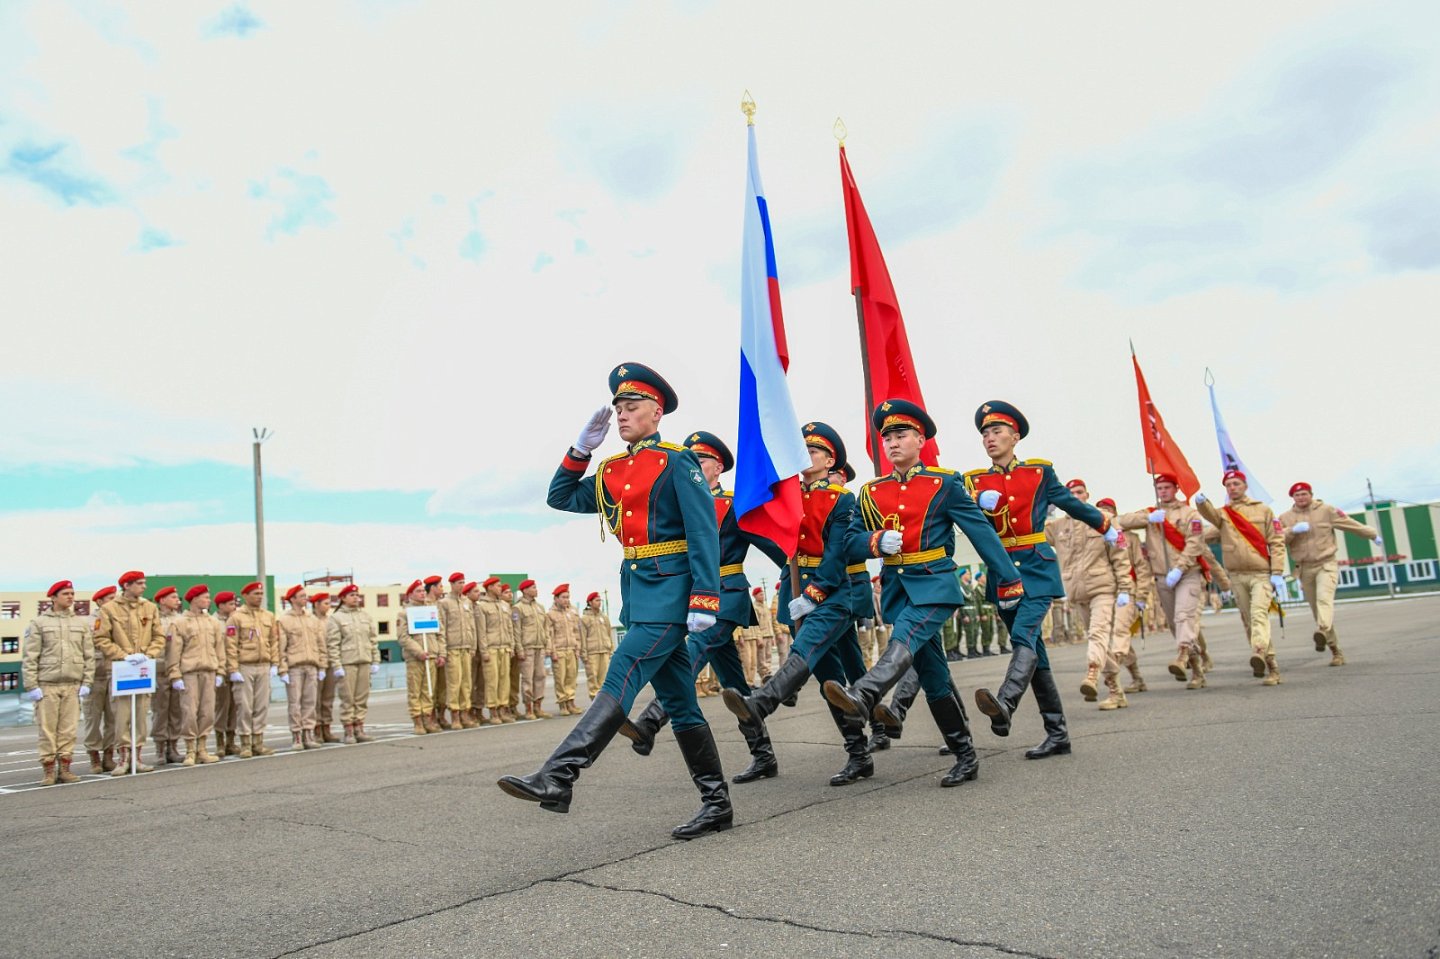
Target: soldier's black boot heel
(950, 716)
(784, 684)
(697, 745)
(550, 785)
(642, 730)
(859, 700)
(763, 764)
(892, 715)
(859, 766)
(999, 706)
(1047, 697)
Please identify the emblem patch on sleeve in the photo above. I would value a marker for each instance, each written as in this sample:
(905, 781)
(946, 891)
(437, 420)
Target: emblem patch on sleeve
(698, 477)
(229, 630)
(1195, 526)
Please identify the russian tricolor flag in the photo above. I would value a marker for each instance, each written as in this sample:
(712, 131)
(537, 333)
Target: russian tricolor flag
(771, 454)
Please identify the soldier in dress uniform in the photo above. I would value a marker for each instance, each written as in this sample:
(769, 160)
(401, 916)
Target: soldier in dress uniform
(252, 654)
(352, 644)
(653, 498)
(194, 667)
(225, 711)
(564, 624)
(421, 652)
(1310, 536)
(57, 667)
(98, 709)
(329, 685)
(1016, 495)
(532, 632)
(459, 618)
(495, 635)
(165, 702)
(1252, 548)
(303, 655)
(597, 644)
(129, 629)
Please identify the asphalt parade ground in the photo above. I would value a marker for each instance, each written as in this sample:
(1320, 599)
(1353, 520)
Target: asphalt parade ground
(1299, 820)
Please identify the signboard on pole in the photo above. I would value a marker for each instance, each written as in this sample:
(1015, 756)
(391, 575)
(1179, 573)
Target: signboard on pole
(423, 619)
(132, 680)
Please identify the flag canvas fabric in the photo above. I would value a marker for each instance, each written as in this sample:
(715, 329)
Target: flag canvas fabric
(1229, 458)
(1162, 455)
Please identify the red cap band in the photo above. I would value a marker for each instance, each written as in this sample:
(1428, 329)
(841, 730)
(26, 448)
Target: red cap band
(1233, 474)
(562, 588)
(490, 582)
(457, 577)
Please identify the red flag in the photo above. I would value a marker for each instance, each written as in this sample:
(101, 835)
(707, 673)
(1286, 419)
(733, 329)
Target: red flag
(1162, 455)
(884, 347)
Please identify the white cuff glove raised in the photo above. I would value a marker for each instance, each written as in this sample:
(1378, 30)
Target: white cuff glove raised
(802, 606)
(698, 622)
(594, 431)
(1156, 516)
(890, 542)
(1200, 498)
(1300, 527)
(1173, 577)
(1379, 542)
(988, 499)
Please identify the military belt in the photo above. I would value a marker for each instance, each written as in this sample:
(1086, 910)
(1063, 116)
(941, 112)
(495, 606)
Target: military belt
(857, 568)
(651, 550)
(808, 561)
(734, 569)
(1021, 542)
(909, 559)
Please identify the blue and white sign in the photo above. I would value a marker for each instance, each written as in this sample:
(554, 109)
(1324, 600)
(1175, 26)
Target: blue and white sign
(132, 680)
(423, 619)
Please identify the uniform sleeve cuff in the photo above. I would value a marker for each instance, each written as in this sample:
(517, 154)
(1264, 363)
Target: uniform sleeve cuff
(1011, 590)
(875, 542)
(816, 596)
(573, 463)
(1104, 524)
(705, 602)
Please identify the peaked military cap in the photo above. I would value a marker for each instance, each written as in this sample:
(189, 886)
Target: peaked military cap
(821, 436)
(702, 443)
(902, 415)
(636, 381)
(999, 411)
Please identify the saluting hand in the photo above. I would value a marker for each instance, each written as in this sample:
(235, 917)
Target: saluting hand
(594, 431)
(1156, 516)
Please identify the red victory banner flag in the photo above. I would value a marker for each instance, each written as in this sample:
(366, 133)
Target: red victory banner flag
(1162, 454)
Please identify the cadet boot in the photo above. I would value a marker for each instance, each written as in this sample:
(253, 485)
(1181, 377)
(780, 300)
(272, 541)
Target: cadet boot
(95, 760)
(219, 742)
(1088, 688)
(430, 725)
(536, 711)
(859, 766)
(259, 747)
(247, 750)
(551, 785)
(467, 721)
(1052, 713)
(420, 729)
(1000, 705)
(1206, 663)
(324, 735)
(307, 739)
(202, 754)
(1177, 668)
(361, 736)
(232, 748)
(858, 700)
(1132, 663)
(1321, 641)
(49, 766)
(65, 775)
(445, 719)
(1197, 672)
(763, 764)
(697, 745)
(295, 742)
(949, 715)
(140, 766)
(1337, 658)
(1272, 671)
(189, 754)
(172, 751)
(642, 730)
(792, 674)
(107, 761)
(1116, 699)
(892, 716)
(507, 715)
(1257, 662)
(349, 739)
(122, 767)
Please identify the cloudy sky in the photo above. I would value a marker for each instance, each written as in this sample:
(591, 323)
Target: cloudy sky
(412, 238)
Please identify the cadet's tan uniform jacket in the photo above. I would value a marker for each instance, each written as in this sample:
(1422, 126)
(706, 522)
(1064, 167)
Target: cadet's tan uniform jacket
(496, 628)
(302, 640)
(533, 627)
(197, 644)
(458, 618)
(564, 630)
(251, 639)
(1317, 545)
(59, 648)
(1239, 555)
(1142, 581)
(1163, 556)
(1089, 566)
(596, 635)
(764, 626)
(127, 626)
(351, 637)
(413, 644)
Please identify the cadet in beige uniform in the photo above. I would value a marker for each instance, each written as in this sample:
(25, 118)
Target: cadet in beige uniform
(517, 655)
(1141, 588)
(329, 685)
(194, 666)
(225, 711)
(421, 652)
(493, 634)
(764, 633)
(98, 710)
(533, 632)
(1310, 536)
(434, 593)
(565, 644)
(252, 656)
(782, 632)
(597, 642)
(129, 629)
(479, 659)
(302, 659)
(1252, 547)
(458, 618)
(57, 667)
(1175, 545)
(165, 703)
(353, 650)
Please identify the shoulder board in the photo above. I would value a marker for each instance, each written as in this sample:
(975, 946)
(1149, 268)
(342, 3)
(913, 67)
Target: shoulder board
(728, 493)
(671, 446)
(976, 472)
(837, 488)
(943, 471)
(1036, 462)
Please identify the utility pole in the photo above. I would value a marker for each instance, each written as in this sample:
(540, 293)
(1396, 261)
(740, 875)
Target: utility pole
(261, 435)
(1390, 577)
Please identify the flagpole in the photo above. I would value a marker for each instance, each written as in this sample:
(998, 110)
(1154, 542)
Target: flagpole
(873, 438)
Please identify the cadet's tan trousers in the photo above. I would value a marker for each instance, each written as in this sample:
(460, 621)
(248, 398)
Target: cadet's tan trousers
(516, 668)
(1253, 594)
(124, 734)
(252, 699)
(419, 686)
(532, 675)
(1182, 607)
(354, 693)
(564, 665)
(1124, 620)
(782, 643)
(497, 677)
(325, 698)
(165, 707)
(596, 666)
(1096, 616)
(197, 705)
(441, 699)
(458, 677)
(225, 711)
(749, 659)
(57, 715)
(300, 696)
(1318, 580)
(99, 713)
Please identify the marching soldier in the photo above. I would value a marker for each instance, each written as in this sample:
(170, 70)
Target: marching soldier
(302, 658)
(459, 619)
(252, 655)
(195, 666)
(225, 711)
(165, 703)
(1252, 549)
(353, 652)
(565, 644)
(99, 709)
(129, 629)
(1139, 587)
(597, 642)
(329, 685)
(495, 635)
(652, 497)
(58, 666)
(421, 652)
(1310, 535)
(533, 632)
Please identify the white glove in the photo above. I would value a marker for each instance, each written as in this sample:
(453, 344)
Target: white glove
(1226, 595)
(890, 542)
(1010, 603)
(1379, 542)
(285, 679)
(1140, 606)
(35, 695)
(1122, 600)
(1156, 516)
(1300, 527)
(320, 676)
(1278, 582)
(84, 691)
(274, 670)
(594, 431)
(1112, 536)
(178, 685)
(1173, 577)
(988, 499)
(219, 681)
(337, 672)
(374, 669)
(698, 621)
(237, 677)
(135, 659)
(801, 606)
(1199, 498)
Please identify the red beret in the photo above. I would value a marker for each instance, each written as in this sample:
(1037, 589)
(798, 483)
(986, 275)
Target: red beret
(196, 590)
(432, 580)
(874, 579)
(1107, 502)
(527, 584)
(224, 597)
(758, 591)
(316, 598)
(101, 593)
(165, 591)
(562, 588)
(349, 588)
(490, 582)
(63, 584)
(591, 596)
(249, 588)
(1074, 483)
(127, 578)
(505, 588)
(412, 587)
(469, 587)
(1300, 486)
(457, 577)
(289, 593)
(1167, 478)
(1233, 474)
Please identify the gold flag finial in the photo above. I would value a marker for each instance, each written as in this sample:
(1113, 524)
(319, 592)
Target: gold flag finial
(839, 130)
(747, 107)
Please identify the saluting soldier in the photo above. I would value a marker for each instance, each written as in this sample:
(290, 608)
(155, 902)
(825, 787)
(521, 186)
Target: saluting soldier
(353, 650)
(195, 666)
(495, 635)
(252, 655)
(1310, 527)
(225, 711)
(564, 625)
(57, 667)
(302, 658)
(1252, 548)
(597, 643)
(653, 498)
(329, 685)
(459, 619)
(421, 652)
(129, 629)
(165, 703)
(533, 632)
(98, 710)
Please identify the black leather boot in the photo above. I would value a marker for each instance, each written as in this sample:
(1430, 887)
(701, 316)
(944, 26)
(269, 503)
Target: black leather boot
(762, 755)
(550, 785)
(1047, 697)
(999, 706)
(859, 766)
(950, 716)
(783, 684)
(892, 715)
(879, 736)
(641, 731)
(859, 700)
(697, 745)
